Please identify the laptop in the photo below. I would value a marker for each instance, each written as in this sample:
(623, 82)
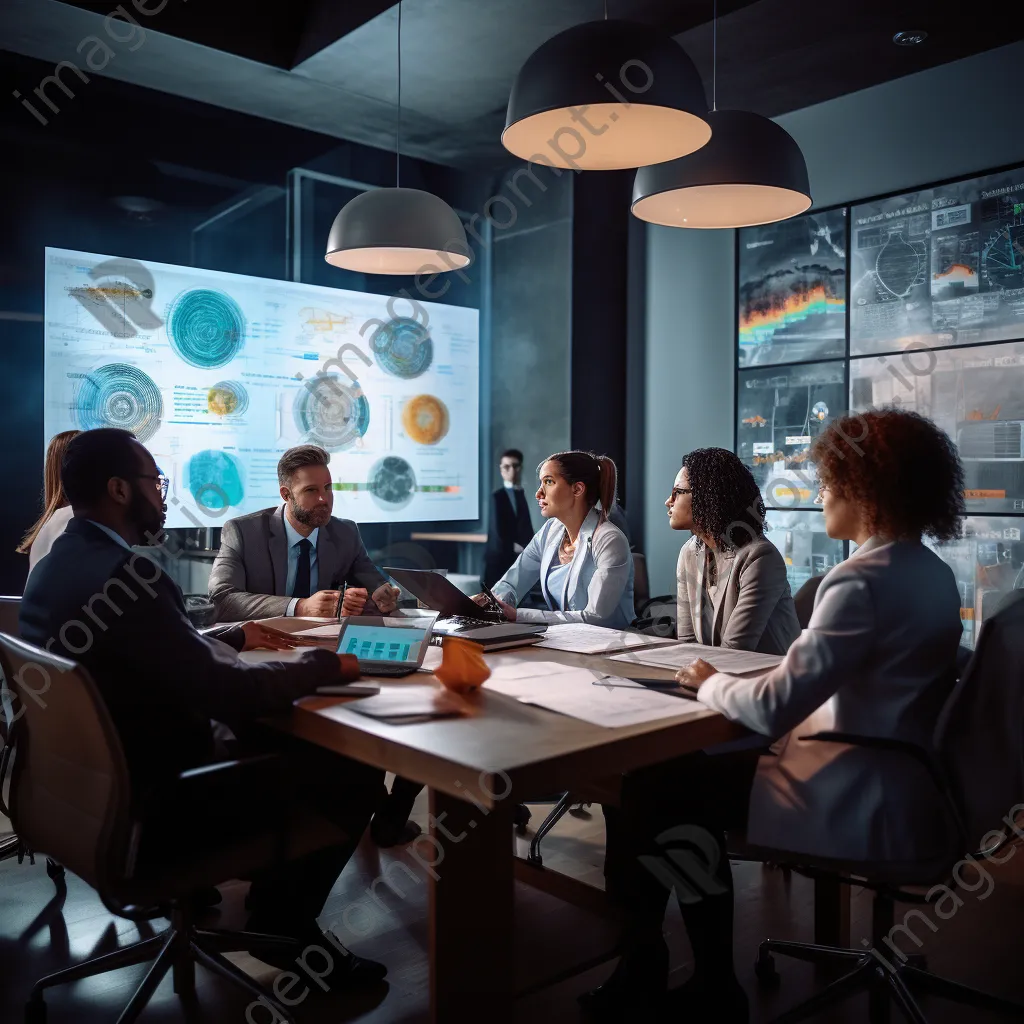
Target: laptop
(386, 646)
(461, 616)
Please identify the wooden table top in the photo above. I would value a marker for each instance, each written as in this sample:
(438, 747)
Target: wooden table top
(502, 739)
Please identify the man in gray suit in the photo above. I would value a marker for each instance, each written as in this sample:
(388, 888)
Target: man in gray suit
(297, 559)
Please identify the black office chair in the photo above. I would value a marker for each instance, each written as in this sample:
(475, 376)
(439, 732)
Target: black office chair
(654, 615)
(803, 600)
(70, 798)
(12, 846)
(979, 771)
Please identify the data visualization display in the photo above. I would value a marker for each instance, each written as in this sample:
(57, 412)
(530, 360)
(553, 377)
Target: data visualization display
(780, 411)
(792, 290)
(381, 643)
(941, 266)
(217, 374)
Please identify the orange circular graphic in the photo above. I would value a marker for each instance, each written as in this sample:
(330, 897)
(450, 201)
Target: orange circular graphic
(425, 419)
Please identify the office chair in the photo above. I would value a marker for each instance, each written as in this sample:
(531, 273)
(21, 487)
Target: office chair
(70, 798)
(978, 768)
(803, 600)
(12, 846)
(654, 615)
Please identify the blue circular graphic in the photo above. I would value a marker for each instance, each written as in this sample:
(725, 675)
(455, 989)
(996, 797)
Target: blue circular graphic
(330, 413)
(119, 395)
(403, 347)
(206, 328)
(227, 398)
(214, 479)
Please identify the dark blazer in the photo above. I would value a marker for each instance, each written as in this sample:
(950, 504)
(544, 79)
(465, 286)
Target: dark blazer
(115, 612)
(250, 573)
(507, 527)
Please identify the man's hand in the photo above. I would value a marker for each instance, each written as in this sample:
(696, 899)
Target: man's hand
(257, 635)
(322, 605)
(695, 673)
(385, 597)
(355, 601)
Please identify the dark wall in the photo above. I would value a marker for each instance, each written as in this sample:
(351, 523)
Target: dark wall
(68, 184)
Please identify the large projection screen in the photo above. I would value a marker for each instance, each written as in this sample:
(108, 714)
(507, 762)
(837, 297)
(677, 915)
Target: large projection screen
(217, 374)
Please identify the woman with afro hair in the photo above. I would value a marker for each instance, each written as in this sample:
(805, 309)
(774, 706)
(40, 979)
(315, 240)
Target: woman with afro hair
(731, 584)
(877, 659)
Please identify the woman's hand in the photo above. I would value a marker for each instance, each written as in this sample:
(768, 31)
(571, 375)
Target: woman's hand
(485, 602)
(257, 635)
(481, 599)
(695, 673)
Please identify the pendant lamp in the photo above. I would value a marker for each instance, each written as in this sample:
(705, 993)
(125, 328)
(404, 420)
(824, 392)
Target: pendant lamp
(398, 230)
(606, 95)
(751, 172)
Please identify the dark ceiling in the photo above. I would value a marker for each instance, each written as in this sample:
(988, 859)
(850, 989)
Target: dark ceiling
(329, 65)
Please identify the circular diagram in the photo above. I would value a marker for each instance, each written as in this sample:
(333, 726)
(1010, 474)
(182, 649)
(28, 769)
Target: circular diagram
(119, 395)
(425, 419)
(403, 347)
(392, 483)
(332, 414)
(206, 328)
(214, 479)
(227, 398)
(898, 266)
(819, 411)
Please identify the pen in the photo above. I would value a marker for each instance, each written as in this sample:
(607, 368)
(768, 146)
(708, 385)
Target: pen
(496, 606)
(341, 601)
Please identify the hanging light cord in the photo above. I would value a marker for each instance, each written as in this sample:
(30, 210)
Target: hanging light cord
(714, 58)
(398, 130)
(605, 10)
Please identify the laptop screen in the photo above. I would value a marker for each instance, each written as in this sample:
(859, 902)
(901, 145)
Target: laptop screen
(382, 643)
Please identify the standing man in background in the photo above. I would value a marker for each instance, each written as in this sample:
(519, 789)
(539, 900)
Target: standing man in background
(510, 527)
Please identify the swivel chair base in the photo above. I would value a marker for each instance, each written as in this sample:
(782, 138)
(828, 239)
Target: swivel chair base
(887, 980)
(178, 949)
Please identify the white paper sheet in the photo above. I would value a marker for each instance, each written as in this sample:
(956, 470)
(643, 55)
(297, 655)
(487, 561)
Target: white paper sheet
(724, 659)
(582, 638)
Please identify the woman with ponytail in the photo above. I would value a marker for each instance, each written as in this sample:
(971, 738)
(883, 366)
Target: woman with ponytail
(56, 508)
(582, 560)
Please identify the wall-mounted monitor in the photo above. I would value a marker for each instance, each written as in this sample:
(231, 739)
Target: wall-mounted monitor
(939, 266)
(217, 374)
(792, 290)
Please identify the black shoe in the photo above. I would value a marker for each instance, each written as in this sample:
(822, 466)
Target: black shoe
(724, 1002)
(329, 962)
(386, 833)
(635, 990)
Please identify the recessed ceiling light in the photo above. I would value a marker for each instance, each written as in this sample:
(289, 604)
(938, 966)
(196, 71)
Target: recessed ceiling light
(910, 38)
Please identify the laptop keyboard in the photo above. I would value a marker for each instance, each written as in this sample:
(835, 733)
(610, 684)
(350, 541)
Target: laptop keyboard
(465, 622)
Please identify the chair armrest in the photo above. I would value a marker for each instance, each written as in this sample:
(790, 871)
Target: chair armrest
(924, 757)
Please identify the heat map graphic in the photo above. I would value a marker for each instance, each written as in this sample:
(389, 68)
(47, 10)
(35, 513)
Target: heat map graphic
(792, 290)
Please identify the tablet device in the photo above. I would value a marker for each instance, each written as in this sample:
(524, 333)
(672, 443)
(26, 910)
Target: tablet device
(386, 645)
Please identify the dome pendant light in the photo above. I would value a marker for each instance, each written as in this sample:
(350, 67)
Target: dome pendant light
(398, 230)
(606, 95)
(751, 172)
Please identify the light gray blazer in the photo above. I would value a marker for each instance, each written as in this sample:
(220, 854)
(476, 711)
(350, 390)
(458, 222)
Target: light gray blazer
(599, 587)
(250, 573)
(753, 608)
(878, 659)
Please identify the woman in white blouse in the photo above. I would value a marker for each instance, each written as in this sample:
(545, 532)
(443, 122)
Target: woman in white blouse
(56, 510)
(582, 560)
(877, 658)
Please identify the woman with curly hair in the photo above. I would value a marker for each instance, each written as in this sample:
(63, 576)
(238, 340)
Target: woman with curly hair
(877, 659)
(731, 584)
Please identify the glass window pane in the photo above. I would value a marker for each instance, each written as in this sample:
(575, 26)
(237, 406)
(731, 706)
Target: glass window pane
(792, 290)
(988, 564)
(779, 412)
(940, 266)
(807, 549)
(976, 395)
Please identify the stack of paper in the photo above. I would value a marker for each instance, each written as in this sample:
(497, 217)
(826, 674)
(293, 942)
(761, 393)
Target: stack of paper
(402, 705)
(584, 694)
(325, 636)
(724, 659)
(581, 638)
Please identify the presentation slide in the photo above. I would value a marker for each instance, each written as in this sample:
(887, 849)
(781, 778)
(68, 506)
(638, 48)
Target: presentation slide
(217, 374)
(941, 266)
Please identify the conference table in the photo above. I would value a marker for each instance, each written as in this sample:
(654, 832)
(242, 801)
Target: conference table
(477, 768)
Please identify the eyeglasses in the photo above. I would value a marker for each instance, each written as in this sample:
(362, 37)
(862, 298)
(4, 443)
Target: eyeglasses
(511, 465)
(677, 491)
(163, 483)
